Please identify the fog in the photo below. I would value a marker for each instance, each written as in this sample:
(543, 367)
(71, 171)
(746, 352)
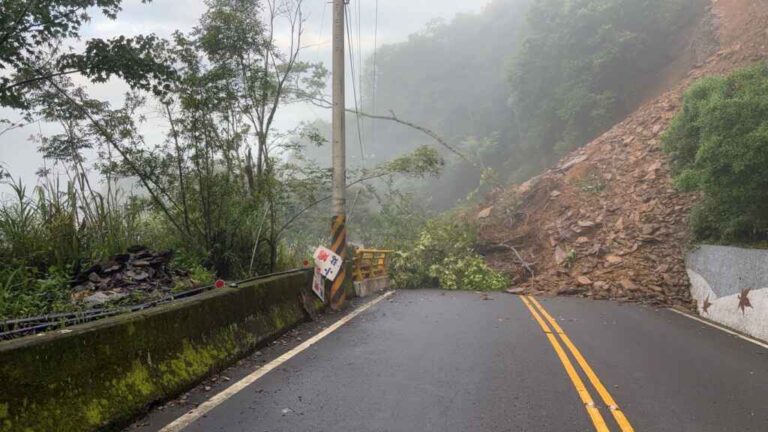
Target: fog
(396, 20)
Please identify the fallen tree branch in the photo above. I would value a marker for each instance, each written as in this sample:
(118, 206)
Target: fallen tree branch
(520, 258)
(394, 118)
(323, 103)
(326, 198)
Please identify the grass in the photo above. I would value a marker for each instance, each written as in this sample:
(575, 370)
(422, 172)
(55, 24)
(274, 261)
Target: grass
(592, 183)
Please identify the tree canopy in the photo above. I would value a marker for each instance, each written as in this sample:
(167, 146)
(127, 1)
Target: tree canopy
(718, 145)
(521, 83)
(33, 49)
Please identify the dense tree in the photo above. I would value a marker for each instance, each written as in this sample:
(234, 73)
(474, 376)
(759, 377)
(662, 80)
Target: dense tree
(33, 38)
(719, 145)
(585, 64)
(450, 79)
(522, 82)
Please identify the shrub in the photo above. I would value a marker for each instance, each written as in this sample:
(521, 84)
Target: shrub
(442, 256)
(719, 146)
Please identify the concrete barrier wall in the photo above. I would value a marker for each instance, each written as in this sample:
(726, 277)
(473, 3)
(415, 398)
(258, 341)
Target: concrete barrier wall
(106, 372)
(369, 287)
(730, 286)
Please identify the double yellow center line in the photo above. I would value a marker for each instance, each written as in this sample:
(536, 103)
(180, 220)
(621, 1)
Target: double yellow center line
(552, 330)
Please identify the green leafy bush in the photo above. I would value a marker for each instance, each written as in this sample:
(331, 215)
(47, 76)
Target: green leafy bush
(442, 256)
(719, 146)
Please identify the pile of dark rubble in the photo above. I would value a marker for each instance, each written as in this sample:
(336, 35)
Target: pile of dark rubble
(140, 271)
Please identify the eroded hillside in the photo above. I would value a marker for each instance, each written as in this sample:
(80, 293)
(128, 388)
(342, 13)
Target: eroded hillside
(606, 222)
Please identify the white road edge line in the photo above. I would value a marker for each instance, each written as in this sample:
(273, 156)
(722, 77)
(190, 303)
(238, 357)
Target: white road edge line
(721, 328)
(194, 414)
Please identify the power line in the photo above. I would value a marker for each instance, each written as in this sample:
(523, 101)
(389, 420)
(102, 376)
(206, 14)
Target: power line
(354, 91)
(374, 89)
(357, 107)
(322, 27)
(360, 48)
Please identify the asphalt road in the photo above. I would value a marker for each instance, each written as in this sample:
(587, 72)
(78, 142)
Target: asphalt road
(459, 361)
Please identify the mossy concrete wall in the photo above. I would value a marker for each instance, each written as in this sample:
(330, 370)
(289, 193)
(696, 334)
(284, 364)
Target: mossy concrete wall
(106, 372)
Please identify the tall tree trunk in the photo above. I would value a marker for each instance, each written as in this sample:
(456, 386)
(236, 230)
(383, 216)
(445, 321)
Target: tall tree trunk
(261, 156)
(249, 171)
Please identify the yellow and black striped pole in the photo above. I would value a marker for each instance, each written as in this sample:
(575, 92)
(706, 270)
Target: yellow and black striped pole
(339, 247)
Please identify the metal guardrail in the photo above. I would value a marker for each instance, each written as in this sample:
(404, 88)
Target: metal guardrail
(371, 263)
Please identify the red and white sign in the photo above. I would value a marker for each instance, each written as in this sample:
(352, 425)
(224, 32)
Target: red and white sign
(318, 284)
(328, 262)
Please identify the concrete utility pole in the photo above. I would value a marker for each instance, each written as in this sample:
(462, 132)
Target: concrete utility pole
(338, 226)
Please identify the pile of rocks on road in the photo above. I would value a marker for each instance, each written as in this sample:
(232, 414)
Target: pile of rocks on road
(605, 223)
(138, 271)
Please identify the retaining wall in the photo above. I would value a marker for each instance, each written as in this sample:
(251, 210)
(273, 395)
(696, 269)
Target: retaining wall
(106, 372)
(730, 286)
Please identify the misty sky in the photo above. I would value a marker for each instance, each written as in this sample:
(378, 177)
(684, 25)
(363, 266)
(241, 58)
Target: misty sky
(397, 19)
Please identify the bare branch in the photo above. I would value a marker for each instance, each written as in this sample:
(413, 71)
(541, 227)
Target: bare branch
(323, 103)
(39, 78)
(132, 165)
(421, 129)
(321, 200)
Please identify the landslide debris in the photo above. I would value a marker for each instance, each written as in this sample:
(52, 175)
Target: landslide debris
(606, 222)
(139, 273)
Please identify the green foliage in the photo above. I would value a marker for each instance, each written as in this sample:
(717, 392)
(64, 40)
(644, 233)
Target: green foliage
(201, 276)
(586, 63)
(570, 258)
(395, 224)
(442, 256)
(216, 189)
(33, 33)
(423, 162)
(45, 235)
(718, 145)
(593, 182)
(572, 68)
(468, 272)
(449, 78)
(23, 294)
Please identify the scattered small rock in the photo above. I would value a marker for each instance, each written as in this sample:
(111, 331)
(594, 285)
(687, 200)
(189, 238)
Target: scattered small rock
(485, 213)
(560, 255)
(515, 291)
(103, 297)
(628, 285)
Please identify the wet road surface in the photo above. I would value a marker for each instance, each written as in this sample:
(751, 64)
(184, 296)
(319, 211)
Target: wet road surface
(461, 361)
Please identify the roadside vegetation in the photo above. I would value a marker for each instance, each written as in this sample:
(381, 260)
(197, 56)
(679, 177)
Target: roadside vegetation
(230, 196)
(443, 256)
(224, 191)
(718, 146)
(434, 252)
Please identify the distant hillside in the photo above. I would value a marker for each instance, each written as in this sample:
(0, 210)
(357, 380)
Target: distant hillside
(606, 221)
(522, 82)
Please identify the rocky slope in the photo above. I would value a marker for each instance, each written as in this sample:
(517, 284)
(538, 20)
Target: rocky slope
(606, 222)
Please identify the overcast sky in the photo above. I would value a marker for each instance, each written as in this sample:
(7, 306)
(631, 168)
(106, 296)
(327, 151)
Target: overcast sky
(396, 20)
